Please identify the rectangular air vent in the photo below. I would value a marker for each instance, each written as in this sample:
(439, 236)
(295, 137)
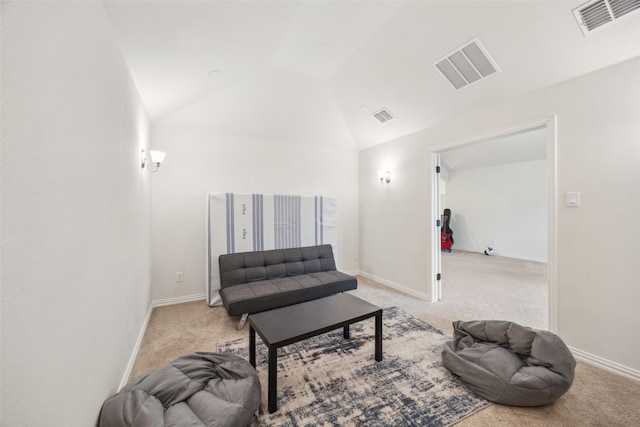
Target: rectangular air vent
(466, 65)
(383, 115)
(598, 13)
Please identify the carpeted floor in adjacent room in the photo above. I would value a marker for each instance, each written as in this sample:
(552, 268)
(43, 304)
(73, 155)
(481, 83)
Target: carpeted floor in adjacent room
(597, 397)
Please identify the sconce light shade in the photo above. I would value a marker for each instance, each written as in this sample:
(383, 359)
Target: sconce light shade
(157, 157)
(385, 177)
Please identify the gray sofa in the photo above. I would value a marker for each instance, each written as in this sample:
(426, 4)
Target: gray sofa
(251, 282)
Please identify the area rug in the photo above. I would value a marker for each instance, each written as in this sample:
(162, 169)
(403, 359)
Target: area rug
(329, 380)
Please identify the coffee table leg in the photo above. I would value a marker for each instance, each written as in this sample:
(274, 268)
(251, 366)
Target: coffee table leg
(273, 379)
(345, 332)
(379, 336)
(252, 346)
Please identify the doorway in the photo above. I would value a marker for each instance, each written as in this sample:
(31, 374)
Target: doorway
(484, 172)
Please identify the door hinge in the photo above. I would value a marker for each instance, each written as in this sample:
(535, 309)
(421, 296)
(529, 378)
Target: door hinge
(438, 276)
(437, 169)
(438, 224)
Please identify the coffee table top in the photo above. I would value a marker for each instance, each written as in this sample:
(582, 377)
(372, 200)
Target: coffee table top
(293, 323)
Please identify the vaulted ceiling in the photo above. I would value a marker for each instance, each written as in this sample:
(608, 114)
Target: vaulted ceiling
(312, 72)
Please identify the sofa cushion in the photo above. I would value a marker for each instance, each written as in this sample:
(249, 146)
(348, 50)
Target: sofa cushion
(265, 295)
(247, 267)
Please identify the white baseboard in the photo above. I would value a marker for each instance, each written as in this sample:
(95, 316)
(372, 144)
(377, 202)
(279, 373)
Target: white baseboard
(409, 291)
(178, 300)
(605, 364)
(143, 329)
(136, 347)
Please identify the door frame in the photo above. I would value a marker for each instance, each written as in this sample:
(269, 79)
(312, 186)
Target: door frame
(433, 159)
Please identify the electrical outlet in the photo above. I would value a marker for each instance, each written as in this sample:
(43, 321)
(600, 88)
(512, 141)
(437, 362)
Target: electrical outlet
(179, 276)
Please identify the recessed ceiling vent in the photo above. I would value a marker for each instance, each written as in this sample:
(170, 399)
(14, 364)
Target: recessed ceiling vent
(383, 116)
(467, 64)
(596, 14)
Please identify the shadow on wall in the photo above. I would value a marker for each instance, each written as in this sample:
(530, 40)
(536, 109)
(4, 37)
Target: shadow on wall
(461, 233)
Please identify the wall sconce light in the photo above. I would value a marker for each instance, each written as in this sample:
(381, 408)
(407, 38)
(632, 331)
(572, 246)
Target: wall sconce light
(385, 177)
(157, 157)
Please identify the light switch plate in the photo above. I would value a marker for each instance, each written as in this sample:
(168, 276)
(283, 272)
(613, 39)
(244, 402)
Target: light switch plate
(573, 199)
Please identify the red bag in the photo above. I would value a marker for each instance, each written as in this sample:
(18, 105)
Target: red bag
(446, 234)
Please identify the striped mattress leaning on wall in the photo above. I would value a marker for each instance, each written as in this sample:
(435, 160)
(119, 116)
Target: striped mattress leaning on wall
(239, 222)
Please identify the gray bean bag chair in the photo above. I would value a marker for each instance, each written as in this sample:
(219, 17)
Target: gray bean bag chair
(196, 390)
(508, 363)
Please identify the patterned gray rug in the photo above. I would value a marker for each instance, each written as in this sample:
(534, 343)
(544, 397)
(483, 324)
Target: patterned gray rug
(327, 380)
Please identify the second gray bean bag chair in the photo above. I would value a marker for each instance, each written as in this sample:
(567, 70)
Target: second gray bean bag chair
(508, 363)
(195, 390)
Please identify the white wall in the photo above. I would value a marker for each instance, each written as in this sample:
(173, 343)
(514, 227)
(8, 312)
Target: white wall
(75, 214)
(199, 162)
(502, 206)
(393, 218)
(597, 154)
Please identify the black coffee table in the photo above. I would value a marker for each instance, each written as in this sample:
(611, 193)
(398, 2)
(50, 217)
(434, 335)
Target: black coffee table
(287, 325)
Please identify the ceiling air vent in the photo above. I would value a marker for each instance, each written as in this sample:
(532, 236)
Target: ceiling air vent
(596, 14)
(383, 116)
(467, 64)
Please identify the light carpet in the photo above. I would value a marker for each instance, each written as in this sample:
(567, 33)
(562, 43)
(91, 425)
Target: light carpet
(328, 380)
